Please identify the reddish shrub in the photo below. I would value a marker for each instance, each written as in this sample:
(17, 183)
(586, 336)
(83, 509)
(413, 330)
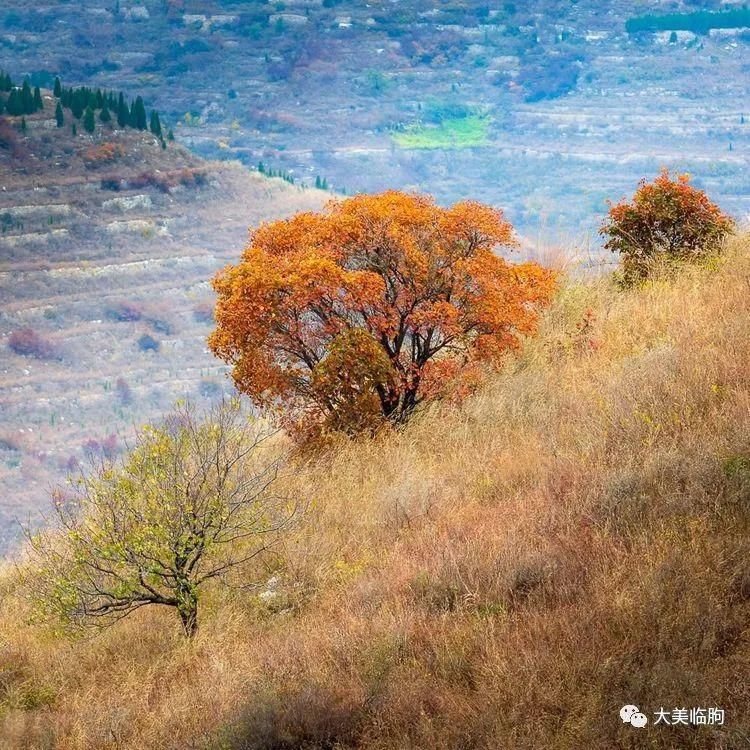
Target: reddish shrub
(151, 179)
(106, 153)
(27, 342)
(666, 220)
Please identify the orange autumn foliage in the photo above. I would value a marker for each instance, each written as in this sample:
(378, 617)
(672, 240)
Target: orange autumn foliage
(353, 316)
(106, 153)
(667, 220)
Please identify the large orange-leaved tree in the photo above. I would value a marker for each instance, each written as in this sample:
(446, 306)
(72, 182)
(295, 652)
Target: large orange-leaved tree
(351, 317)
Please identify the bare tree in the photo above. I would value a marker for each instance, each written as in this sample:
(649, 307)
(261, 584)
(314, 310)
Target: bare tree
(193, 500)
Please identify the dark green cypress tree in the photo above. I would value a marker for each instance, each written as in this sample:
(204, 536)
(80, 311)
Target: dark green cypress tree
(155, 125)
(74, 129)
(77, 103)
(123, 114)
(58, 88)
(105, 115)
(38, 103)
(13, 105)
(27, 98)
(2, 105)
(88, 120)
(138, 114)
(99, 99)
(23, 125)
(170, 135)
(59, 116)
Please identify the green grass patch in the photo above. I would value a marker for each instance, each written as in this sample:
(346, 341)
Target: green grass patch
(450, 133)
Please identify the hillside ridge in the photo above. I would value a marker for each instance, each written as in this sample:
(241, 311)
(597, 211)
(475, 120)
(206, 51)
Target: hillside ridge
(107, 238)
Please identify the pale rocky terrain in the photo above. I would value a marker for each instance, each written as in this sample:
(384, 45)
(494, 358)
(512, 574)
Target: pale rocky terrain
(92, 270)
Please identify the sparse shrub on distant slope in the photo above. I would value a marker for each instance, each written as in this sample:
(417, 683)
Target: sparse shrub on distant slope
(203, 312)
(355, 316)
(124, 311)
(29, 343)
(121, 545)
(148, 343)
(156, 180)
(111, 183)
(9, 140)
(667, 220)
(210, 389)
(124, 392)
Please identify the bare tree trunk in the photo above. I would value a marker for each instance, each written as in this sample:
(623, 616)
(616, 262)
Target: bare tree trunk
(187, 608)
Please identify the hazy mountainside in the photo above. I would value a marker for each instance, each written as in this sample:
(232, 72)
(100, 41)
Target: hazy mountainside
(546, 108)
(503, 574)
(107, 245)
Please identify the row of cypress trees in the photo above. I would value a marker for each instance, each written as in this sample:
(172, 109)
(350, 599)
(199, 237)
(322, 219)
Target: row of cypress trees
(20, 100)
(83, 103)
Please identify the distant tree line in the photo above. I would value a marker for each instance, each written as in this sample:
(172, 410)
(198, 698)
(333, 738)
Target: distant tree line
(20, 100)
(83, 103)
(700, 22)
(268, 172)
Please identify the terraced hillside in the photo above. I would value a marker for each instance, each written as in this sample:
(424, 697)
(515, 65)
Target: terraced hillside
(546, 107)
(104, 295)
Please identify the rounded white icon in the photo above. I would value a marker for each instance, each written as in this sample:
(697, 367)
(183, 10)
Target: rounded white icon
(626, 713)
(638, 720)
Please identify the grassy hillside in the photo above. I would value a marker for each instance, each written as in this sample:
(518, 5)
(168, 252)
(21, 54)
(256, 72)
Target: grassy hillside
(107, 244)
(506, 574)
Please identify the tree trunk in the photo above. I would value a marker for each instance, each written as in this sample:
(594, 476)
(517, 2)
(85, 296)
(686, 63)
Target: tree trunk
(188, 611)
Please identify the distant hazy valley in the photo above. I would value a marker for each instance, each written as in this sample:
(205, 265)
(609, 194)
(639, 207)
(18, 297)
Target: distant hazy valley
(546, 108)
(108, 243)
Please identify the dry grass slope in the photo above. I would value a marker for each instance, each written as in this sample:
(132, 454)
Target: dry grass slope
(502, 575)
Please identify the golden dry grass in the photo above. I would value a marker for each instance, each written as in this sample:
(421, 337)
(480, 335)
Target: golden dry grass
(505, 574)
